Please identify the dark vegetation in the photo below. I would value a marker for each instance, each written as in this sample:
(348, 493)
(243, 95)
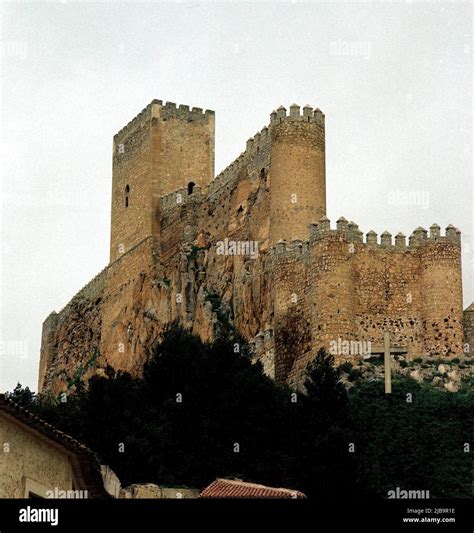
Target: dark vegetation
(203, 410)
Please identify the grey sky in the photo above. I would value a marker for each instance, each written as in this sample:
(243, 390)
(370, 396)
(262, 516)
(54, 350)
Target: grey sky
(394, 80)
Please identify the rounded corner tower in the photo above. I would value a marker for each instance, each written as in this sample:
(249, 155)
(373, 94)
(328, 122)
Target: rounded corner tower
(297, 172)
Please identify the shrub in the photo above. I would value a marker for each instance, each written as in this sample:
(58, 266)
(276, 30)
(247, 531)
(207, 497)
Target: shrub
(435, 420)
(224, 399)
(354, 374)
(345, 367)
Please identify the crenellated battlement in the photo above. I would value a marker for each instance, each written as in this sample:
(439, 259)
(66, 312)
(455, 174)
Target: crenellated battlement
(307, 114)
(257, 149)
(255, 146)
(254, 142)
(261, 140)
(156, 110)
(182, 112)
(227, 175)
(293, 250)
(350, 231)
(89, 291)
(140, 118)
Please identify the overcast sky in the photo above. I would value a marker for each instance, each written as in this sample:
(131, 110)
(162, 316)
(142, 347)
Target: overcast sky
(394, 80)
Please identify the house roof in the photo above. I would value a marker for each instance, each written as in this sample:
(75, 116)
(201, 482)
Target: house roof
(87, 461)
(236, 488)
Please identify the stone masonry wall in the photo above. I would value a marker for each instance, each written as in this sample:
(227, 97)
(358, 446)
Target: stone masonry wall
(161, 149)
(31, 459)
(468, 322)
(354, 291)
(132, 168)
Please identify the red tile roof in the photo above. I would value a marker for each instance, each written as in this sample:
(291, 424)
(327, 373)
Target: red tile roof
(235, 488)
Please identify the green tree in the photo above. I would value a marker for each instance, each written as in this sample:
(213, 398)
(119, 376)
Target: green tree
(327, 469)
(204, 410)
(22, 396)
(413, 439)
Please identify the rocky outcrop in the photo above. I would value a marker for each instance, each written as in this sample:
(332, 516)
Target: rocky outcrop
(450, 376)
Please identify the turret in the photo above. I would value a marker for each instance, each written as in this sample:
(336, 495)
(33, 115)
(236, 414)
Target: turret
(442, 290)
(297, 172)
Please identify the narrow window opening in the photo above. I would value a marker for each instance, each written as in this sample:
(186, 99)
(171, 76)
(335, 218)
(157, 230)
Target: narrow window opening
(127, 194)
(191, 185)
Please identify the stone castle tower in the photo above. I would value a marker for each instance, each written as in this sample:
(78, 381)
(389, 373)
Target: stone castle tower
(162, 149)
(254, 244)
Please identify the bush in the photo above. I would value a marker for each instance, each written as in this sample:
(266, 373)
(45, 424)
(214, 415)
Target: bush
(324, 466)
(196, 401)
(179, 425)
(354, 374)
(434, 420)
(345, 367)
(377, 361)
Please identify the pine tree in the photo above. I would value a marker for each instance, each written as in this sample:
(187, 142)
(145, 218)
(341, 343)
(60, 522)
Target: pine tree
(327, 468)
(326, 396)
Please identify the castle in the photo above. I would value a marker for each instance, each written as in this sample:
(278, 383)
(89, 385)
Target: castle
(253, 244)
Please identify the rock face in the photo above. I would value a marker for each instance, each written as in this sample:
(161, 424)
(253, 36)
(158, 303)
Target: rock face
(416, 375)
(128, 311)
(450, 376)
(152, 491)
(451, 386)
(251, 247)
